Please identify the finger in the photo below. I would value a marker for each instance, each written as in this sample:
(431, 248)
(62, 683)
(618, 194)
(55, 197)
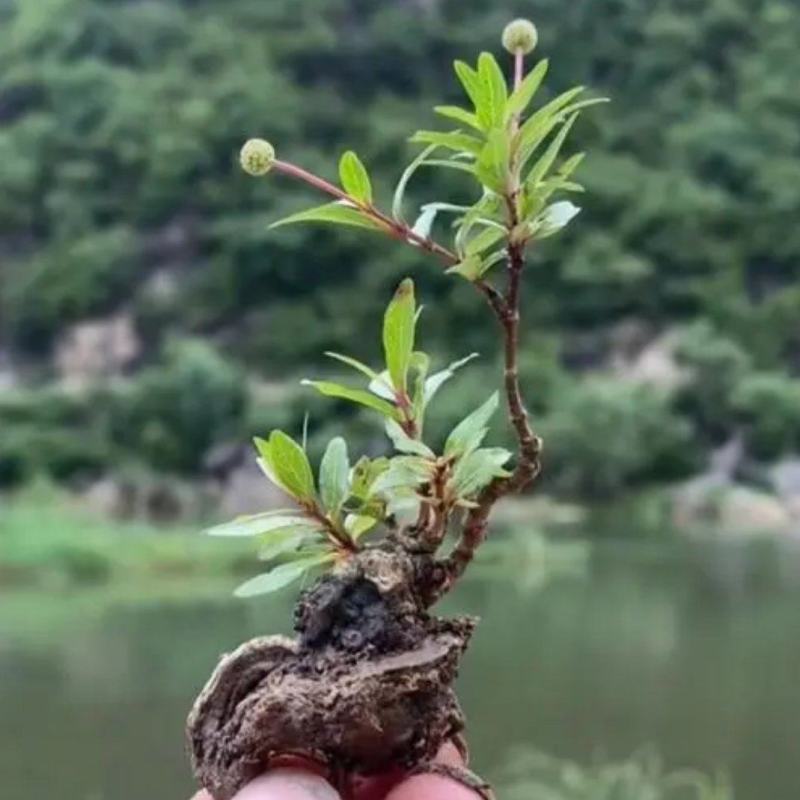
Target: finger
(432, 787)
(284, 784)
(377, 787)
(435, 787)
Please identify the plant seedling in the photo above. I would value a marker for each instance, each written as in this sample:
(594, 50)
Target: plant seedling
(366, 685)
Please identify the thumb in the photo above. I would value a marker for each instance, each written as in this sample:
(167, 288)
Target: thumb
(284, 784)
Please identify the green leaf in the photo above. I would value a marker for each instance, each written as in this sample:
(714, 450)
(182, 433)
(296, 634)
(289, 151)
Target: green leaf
(470, 267)
(257, 524)
(524, 93)
(492, 165)
(288, 462)
(459, 114)
(404, 443)
(538, 125)
(338, 213)
(570, 165)
(402, 184)
(360, 396)
(334, 475)
(469, 433)
(420, 364)
(454, 140)
(281, 576)
(495, 91)
(435, 382)
(488, 261)
(381, 385)
(457, 165)
(354, 177)
(479, 468)
(404, 472)
(484, 240)
(365, 472)
(471, 82)
(543, 165)
(354, 363)
(398, 333)
(286, 540)
(357, 525)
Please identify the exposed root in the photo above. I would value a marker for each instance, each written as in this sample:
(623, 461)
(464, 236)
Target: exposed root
(366, 686)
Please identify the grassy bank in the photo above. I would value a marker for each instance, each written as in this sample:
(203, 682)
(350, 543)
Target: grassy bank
(47, 539)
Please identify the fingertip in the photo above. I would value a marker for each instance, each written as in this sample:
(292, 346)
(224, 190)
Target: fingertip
(432, 787)
(288, 784)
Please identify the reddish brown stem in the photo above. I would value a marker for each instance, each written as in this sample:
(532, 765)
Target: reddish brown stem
(506, 309)
(340, 539)
(396, 229)
(529, 445)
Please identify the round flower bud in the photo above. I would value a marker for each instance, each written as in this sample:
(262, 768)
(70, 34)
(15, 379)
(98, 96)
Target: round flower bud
(520, 36)
(257, 157)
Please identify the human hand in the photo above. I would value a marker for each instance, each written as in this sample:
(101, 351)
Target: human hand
(292, 783)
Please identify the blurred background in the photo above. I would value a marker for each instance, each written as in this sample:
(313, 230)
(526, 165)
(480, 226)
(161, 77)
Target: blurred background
(641, 635)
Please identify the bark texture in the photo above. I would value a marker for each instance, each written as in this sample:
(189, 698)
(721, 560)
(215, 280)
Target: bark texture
(365, 686)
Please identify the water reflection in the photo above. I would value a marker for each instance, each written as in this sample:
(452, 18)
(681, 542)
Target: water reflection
(692, 648)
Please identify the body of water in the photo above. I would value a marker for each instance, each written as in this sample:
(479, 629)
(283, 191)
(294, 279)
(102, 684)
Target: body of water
(691, 648)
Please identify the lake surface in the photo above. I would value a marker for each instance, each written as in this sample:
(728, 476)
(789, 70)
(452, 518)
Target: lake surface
(692, 648)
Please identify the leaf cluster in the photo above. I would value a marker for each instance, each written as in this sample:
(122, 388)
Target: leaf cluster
(335, 508)
(505, 145)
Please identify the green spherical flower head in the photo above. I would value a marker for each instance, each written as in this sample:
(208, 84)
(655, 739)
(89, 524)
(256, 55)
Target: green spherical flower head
(257, 157)
(520, 36)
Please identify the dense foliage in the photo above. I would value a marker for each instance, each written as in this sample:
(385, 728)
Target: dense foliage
(119, 128)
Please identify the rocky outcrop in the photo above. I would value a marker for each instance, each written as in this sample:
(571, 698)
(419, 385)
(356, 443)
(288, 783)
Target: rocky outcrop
(97, 350)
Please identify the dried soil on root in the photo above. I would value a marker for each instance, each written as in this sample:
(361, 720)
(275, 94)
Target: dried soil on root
(365, 687)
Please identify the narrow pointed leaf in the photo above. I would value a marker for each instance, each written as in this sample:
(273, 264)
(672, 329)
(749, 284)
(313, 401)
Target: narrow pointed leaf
(524, 93)
(420, 364)
(336, 213)
(454, 140)
(539, 124)
(354, 363)
(484, 240)
(334, 475)
(360, 396)
(398, 333)
(285, 540)
(404, 472)
(470, 268)
(491, 167)
(469, 433)
(435, 382)
(457, 165)
(471, 82)
(257, 524)
(354, 177)
(357, 525)
(543, 165)
(290, 463)
(402, 184)
(495, 90)
(281, 576)
(404, 443)
(479, 468)
(458, 114)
